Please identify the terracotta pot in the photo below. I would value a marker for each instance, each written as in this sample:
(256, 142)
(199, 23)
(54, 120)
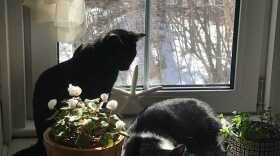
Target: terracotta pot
(55, 149)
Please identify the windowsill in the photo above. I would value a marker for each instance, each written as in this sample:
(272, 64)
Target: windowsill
(27, 132)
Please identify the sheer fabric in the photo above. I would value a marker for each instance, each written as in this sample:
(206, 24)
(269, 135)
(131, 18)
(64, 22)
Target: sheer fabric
(66, 16)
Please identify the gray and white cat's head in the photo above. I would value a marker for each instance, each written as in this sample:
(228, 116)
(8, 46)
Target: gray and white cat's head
(149, 144)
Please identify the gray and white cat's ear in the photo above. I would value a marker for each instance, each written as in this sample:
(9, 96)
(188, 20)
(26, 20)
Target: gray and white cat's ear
(179, 150)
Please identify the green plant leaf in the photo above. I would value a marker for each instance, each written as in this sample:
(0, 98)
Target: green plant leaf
(74, 118)
(82, 140)
(220, 116)
(92, 106)
(95, 118)
(60, 136)
(88, 124)
(106, 139)
(104, 124)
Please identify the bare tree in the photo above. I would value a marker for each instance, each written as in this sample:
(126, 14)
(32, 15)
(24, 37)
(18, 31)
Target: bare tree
(201, 32)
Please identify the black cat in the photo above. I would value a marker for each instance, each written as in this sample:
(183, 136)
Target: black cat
(169, 127)
(94, 68)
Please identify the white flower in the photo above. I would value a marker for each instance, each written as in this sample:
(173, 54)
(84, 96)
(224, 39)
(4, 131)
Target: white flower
(81, 104)
(112, 105)
(101, 105)
(120, 124)
(104, 97)
(72, 103)
(52, 103)
(74, 90)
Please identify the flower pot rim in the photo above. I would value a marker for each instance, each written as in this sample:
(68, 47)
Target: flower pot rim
(50, 142)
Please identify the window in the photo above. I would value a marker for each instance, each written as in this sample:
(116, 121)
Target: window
(190, 43)
(240, 57)
(41, 52)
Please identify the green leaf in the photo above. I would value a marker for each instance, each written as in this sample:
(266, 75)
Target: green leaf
(220, 116)
(104, 124)
(61, 122)
(82, 140)
(79, 112)
(92, 106)
(88, 124)
(107, 140)
(60, 136)
(95, 118)
(74, 118)
(103, 115)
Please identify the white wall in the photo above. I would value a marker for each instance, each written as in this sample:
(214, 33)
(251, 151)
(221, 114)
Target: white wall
(1, 135)
(275, 79)
(1, 103)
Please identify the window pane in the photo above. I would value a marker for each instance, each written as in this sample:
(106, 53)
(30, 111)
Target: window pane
(191, 42)
(103, 16)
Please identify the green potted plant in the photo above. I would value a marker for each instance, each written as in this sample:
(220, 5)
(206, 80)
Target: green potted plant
(84, 127)
(248, 135)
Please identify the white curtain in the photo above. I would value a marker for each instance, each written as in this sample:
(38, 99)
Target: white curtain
(67, 16)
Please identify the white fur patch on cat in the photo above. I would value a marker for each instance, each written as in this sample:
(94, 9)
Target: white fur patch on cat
(164, 143)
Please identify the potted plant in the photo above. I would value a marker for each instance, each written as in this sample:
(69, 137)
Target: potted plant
(247, 135)
(84, 127)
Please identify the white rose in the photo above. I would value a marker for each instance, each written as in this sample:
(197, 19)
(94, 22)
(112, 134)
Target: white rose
(112, 105)
(52, 103)
(120, 124)
(104, 97)
(72, 103)
(74, 90)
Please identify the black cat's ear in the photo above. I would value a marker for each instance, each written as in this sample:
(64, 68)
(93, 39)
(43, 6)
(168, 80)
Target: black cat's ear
(78, 51)
(179, 150)
(138, 36)
(113, 38)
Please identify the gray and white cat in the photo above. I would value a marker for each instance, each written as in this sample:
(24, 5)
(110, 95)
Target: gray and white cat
(172, 127)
